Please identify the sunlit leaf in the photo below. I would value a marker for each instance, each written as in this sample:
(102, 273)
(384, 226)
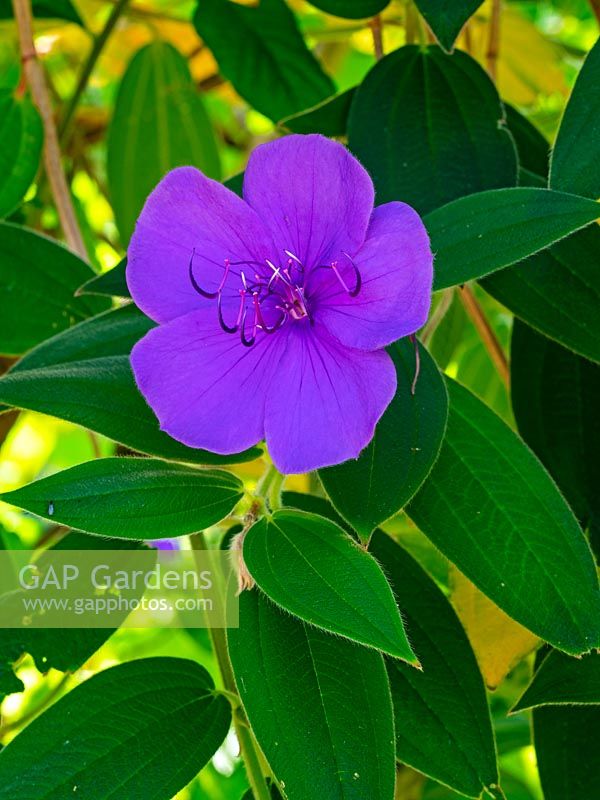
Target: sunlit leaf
(498, 641)
(261, 51)
(314, 570)
(451, 742)
(428, 127)
(563, 680)
(132, 498)
(492, 509)
(575, 164)
(368, 490)
(313, 698)
(484, 232)
(103, 734)
(159, 123)
(21, 136)
(38, 278)
(446, 19)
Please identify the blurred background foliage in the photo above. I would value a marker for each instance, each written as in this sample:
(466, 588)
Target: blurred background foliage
(542, 47)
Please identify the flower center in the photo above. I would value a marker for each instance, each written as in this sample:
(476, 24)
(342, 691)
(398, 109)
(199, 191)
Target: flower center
(269, 295)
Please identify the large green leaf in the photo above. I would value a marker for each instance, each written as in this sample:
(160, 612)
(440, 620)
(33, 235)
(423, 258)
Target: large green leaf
(21, 137)
(566, 747)
(45, 9)
(313, 569)
(557, 291)
(111, 283)
(83, 375)
(351, 9)
(67, 649)
(159, 123)
(329, 118)
(446, 19)
(451, 742)
(479, 234)
(563, 680)
(575, 163)
(132, 498)
(262, 52)
(319, 705)
(555, 399)
(139, 730)
(492, 509)
(428, 127)
(38, 278)
(368, 490)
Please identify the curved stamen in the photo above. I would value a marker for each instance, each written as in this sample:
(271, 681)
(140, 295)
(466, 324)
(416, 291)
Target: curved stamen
(261, 320)
(247, 342)
(230, 328)
(290, 255)
(357, 277)
(196, 285)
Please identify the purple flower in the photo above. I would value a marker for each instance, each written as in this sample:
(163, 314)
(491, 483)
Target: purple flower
(273, 310)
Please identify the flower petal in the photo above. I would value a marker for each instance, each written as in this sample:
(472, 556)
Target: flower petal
(325, 401)
(313, 195)
(396, 268)
(188, 212)
(205, 387)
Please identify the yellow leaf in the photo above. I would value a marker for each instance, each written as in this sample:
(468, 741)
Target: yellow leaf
(498, 641)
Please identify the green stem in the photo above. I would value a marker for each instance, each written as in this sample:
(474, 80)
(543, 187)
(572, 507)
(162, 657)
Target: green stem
(99, 42)
(269, 487)
(248, 746)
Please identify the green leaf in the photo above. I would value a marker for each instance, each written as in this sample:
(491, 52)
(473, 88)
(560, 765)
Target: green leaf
(532, 148)
(141, 729)
(314, 699)
(555, 400)
(65, 650)
(368, 490)
(261, 51)
(451, 742)
(159, 123)
(313, 569)
(566, 747)
(83, 376)
(563, 680)
(45, 9)
(557, 291)
(38, 278)
(351, 9)
(21, 138)
(428, 128)
(479, 234)
(132, 498)
(315, 505)
(447, 19)
(492, 509)
(111, 283)
(575, 163)
(329, 118)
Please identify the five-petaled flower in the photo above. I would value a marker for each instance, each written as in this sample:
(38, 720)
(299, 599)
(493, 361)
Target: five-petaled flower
(274, 310)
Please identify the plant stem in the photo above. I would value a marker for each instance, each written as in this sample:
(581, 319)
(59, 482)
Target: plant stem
(493, 40)
(376, 26)
(486, 333)
(36, 80)
(438, 315)
(248, 746)
(88, 67)
(269, 487)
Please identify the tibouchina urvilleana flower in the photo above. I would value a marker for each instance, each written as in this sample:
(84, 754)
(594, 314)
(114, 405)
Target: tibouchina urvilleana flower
(273, 311)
